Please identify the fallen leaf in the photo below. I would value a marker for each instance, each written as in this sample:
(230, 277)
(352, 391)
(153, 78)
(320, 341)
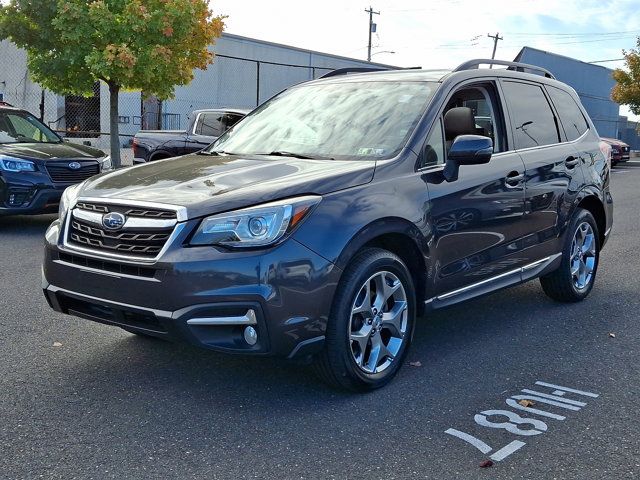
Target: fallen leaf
(612, 335)
(57, 344)
(486, 464)
(415, 364)
(526, 403)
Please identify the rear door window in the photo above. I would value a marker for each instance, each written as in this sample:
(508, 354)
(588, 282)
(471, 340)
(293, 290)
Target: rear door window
(571, 116)
(533, 121)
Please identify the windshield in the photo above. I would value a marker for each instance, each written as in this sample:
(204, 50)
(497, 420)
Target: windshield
(20, 127)
(347, 120)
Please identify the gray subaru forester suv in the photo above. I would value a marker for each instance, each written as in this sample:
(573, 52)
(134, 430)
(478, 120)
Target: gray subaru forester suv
(323, 224)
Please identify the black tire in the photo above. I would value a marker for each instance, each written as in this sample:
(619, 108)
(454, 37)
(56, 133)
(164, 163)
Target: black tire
(336, 364)
(559, 284)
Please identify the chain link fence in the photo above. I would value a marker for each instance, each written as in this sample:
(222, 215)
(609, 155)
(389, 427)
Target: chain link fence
(232, 82)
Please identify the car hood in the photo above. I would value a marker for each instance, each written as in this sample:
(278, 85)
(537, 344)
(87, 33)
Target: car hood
(50, 151)
(206, 185)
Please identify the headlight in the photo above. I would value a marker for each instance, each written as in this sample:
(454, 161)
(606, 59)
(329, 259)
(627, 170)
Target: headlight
(68, 200)
(105, 164)
(256, 226)
(10, 164)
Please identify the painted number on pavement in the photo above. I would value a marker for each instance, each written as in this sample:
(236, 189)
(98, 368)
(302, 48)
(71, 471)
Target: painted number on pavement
(525, 426)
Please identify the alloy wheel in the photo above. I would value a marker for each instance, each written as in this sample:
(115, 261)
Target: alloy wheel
(378, 324)
(583, 256)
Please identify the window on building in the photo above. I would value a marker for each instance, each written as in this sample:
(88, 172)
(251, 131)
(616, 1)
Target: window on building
(532, 118)
(571, 116)
(82, 114)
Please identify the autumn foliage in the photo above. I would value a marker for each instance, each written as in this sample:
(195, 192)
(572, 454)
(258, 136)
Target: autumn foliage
(627, 89)
(147, 45)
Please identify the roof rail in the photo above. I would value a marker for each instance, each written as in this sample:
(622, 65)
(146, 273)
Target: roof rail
(517, 66)
(345, 71)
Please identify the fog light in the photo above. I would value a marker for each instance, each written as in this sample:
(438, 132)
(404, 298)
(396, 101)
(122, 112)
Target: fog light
(250, 335)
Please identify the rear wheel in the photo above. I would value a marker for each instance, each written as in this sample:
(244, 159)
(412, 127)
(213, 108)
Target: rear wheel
(371, 323)
(574, 279)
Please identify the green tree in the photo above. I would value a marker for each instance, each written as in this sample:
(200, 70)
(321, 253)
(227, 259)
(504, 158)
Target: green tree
(627, 89)
(146, 45)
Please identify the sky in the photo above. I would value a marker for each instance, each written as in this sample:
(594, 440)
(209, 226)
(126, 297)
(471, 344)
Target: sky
(442, 33)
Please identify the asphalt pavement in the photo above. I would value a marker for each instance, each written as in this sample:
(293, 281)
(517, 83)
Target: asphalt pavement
(84, 400)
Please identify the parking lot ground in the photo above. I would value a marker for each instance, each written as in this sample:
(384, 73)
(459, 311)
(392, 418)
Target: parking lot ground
(84, 400)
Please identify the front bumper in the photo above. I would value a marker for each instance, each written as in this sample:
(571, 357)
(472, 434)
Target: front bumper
(28, 193)
(288, 288)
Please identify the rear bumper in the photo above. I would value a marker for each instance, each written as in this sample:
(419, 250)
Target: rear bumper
(285, 293)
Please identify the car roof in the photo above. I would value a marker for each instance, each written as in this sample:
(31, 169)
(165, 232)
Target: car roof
(10, 108)
(440, 76)
(240, 111)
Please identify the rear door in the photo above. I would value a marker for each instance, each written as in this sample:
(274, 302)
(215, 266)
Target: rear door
(553, 166)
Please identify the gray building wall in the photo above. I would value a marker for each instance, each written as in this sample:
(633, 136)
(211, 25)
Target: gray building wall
(251, 77)
(592, 82)
(628, 132)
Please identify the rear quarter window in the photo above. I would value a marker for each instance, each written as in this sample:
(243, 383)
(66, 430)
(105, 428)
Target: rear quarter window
(571, 116)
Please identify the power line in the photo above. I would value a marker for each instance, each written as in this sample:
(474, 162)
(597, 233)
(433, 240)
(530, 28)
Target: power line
(592, 34)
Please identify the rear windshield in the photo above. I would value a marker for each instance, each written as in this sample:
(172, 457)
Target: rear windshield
(345, 120)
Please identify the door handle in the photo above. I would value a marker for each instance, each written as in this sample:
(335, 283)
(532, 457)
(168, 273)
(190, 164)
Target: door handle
(571, 162)
(514, 179)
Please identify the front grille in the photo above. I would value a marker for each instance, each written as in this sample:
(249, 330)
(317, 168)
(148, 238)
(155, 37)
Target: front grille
(112, 267)
(61, 172)
(141, 242)
(127, 211)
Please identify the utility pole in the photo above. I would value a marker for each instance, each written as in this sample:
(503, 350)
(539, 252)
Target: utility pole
(372, 29)
(495, 37)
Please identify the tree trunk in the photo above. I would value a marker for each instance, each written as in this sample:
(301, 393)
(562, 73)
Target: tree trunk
(114, 132)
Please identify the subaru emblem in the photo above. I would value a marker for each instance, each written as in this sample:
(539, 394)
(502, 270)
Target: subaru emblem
(113, 220)
(74, 165)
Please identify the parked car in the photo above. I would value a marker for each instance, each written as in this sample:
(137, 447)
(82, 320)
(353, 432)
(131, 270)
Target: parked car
(36, 165)
(620, 151)
(205, 126)
(337, 213)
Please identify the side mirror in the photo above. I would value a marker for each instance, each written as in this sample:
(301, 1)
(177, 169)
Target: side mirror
(467, 150)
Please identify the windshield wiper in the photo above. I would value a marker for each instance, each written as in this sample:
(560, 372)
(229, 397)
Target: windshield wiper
(282, 153)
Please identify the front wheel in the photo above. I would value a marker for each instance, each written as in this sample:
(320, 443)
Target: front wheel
(371, 323)
(574, 279)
